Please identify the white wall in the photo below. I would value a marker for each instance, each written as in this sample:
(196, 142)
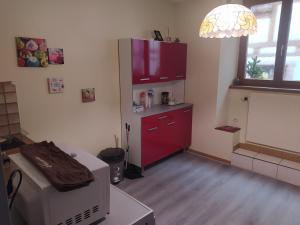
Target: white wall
(227, 73)
(211, 69)
(238, 111)
(88, 33)
(274, 122)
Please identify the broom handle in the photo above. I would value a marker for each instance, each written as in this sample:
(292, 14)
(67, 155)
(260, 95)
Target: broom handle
(127, 126)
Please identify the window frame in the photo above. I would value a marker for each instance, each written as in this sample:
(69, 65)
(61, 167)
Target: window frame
(281, 50)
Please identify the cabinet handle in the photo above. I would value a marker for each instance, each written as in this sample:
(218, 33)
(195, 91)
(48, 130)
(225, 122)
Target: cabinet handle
(185, 111)
(144, 79)
(180, 76)
(172, 123)
(153, 129)
(162, 117)
(164, 78)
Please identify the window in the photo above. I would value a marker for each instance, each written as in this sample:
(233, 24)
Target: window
(271, 57)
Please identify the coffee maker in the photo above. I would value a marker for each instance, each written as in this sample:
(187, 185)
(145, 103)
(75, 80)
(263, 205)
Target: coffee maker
(165, 98)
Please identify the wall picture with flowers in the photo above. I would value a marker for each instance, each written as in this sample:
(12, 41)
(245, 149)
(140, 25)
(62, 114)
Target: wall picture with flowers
(56, 56)
(31, 52)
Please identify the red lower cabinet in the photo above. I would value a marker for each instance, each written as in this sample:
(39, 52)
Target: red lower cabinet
(164, 134)
(151, 145)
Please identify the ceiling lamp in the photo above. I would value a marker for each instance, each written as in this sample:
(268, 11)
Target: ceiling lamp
(229, 20)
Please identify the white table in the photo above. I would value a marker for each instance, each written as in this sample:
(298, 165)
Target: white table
(124, 210)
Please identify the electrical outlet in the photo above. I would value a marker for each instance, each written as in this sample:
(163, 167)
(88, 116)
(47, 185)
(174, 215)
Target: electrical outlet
(245, 99)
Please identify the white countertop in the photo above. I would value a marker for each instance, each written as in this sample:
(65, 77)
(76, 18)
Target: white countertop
(157, 109)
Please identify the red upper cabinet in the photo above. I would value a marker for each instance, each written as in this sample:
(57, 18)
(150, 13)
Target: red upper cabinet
(146, 61)
(166, 63)
(173, 59)
(178, 54)
(154, 61)
(140, 61)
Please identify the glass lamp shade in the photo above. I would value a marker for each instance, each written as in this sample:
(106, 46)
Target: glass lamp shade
(229, 20)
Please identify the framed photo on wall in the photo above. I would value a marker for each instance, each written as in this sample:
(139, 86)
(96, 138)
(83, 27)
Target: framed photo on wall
(158, 36)
(56, 56)
(55, 85)
(88, 95)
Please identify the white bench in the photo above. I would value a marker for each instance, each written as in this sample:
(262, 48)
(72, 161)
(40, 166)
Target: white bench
(276, 167)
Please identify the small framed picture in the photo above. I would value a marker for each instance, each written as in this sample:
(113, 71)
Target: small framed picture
(55, 85)
(88, 95)
(56, 56)
(157, 35)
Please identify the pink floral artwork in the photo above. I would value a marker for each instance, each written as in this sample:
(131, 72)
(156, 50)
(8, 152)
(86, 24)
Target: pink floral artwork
(31, 52)
(56, 56)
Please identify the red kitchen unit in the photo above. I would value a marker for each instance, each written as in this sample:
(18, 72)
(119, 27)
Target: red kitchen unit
(161, 130)
(164, 134)
(155, 61)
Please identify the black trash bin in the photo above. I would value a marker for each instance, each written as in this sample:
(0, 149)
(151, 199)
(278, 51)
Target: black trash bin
(115, 158)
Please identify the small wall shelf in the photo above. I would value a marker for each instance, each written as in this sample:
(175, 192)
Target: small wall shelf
(229, 129)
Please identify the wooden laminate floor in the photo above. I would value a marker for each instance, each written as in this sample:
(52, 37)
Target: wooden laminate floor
(188, 190)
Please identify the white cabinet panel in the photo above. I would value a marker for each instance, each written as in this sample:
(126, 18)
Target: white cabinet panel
(265, 168)
(289, 175)
(241, 161)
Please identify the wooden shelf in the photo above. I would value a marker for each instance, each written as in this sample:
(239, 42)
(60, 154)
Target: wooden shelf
(8, 103)
(229, 129)
(8, 92)
(7, 114)
(7, 125)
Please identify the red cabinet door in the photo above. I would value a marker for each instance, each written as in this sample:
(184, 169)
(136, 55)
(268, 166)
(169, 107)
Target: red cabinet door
(158, 137)
(155, 60)
(151, 146)
(172, 133)
(166, 62)
(178, 54)
(146, 61)
(153, 138)
(173, 61)
(140, 65)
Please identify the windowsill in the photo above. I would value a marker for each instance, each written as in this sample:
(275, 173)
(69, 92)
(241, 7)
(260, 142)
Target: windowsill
(266, 89)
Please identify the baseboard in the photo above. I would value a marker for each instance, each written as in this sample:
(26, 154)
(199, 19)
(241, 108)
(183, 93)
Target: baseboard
(207, 156)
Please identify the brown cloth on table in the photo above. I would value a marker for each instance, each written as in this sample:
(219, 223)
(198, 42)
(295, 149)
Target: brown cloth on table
(62, 171)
